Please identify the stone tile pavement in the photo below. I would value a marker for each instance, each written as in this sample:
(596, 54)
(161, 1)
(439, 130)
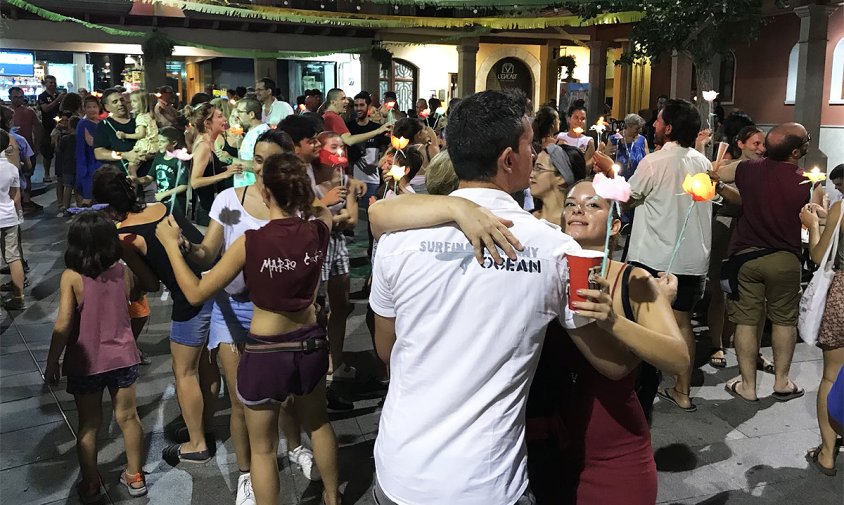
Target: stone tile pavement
(728, 452)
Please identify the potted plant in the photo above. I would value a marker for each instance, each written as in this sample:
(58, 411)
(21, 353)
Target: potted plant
(157, 45)
(383, 56)
(568, 62)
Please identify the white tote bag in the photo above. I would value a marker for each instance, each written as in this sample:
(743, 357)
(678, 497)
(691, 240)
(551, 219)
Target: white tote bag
(814, 298)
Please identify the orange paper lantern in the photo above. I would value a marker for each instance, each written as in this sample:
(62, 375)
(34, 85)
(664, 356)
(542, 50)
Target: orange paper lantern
(700, 187)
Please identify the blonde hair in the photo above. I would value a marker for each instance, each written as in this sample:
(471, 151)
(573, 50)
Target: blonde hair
(144, 98)
(440, 178)
(225, 107)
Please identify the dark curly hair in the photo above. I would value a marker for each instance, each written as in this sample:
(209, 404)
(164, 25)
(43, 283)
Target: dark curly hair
(543, 122)
(72, 102)
(113, 187)
(286, 177)
(92, 244)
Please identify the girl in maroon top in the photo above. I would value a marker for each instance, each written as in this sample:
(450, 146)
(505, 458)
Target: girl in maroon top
(583, 396)
(281, 263)
(94, 332)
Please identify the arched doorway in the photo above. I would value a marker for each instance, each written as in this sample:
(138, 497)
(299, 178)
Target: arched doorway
(401, 78)
(510, 73)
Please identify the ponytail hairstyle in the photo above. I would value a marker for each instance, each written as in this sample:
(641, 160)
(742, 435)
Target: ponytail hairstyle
(92, 244)
(113, 187)
(742, 136)
(285, 176)
(202, 113)
(174, 135)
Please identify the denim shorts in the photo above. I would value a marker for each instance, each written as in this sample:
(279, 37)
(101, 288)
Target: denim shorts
(194, 331)
(113, 379)
(230, 321)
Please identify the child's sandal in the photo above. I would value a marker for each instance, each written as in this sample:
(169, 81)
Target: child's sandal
(135, 484)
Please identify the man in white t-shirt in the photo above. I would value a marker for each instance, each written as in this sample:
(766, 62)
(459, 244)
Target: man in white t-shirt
(661, 207)
(273, 110)
(248, 112)
(10, 219)
(463, 338)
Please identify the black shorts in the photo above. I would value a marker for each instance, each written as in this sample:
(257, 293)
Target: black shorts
(113, 379)
(689, 288)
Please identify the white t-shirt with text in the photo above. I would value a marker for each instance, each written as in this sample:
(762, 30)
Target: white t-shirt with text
(468, 338)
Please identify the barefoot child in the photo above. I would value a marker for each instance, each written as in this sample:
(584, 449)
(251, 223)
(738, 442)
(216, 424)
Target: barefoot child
(93, 330)
(146, 131)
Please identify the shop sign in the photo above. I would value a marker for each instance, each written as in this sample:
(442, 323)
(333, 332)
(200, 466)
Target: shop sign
(509, 73)
(17, 63)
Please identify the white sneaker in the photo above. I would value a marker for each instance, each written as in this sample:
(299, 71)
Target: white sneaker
(345, 373)
(245, 496)
(304, 459)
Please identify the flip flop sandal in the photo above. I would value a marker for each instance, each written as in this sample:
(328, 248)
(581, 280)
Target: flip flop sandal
(812, 458)
(731, 388)
(173, 454)
(667, 397)
(765, 366)
(717, 362)
(795, 392)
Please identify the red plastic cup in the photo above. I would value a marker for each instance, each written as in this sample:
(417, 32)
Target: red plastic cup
(582, 264)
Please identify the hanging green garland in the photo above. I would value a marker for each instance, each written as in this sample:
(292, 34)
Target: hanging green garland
(363, 20)
(54, 16)
(245, 53)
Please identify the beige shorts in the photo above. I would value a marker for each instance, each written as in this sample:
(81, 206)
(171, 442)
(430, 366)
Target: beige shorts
(9, 243)
(772, 282)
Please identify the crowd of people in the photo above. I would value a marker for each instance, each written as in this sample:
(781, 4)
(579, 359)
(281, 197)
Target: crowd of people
(241, 208)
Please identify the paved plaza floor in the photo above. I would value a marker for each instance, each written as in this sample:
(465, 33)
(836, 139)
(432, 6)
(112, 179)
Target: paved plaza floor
(728, 452)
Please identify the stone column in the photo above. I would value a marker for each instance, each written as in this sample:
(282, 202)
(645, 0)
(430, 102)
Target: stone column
(370, 74)
(811, 67)
(266, 67)
(597, 79)
(681, 76)
(467, 54)
(548, 72)
(622, 91)
(80, 73)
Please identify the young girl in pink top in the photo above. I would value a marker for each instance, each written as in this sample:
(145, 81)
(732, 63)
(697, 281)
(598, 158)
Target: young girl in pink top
(94, 332)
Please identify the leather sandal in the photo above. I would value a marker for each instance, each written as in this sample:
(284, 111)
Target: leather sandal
(717, 362)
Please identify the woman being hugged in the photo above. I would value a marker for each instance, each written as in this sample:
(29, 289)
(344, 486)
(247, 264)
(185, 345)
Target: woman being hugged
(287, 355)
(94, 332)
(609, 451)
